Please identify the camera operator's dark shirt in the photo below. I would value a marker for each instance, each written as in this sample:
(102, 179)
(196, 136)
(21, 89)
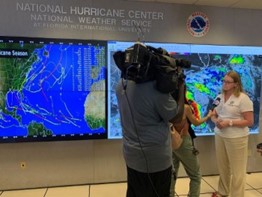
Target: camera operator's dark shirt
(151, 111)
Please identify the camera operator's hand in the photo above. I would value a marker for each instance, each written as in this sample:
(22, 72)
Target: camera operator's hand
(181, 87)
(180, 102)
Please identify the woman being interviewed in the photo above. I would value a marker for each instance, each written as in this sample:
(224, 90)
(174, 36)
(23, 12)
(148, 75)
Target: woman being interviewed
(232, 117)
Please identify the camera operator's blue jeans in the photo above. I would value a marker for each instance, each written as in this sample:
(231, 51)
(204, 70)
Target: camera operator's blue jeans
(185, 155)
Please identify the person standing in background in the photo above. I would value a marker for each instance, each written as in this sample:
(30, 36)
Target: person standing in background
(232, 117)
(186, 153)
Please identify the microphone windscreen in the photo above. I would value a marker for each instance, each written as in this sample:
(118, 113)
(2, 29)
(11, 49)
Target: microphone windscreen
(216, 102)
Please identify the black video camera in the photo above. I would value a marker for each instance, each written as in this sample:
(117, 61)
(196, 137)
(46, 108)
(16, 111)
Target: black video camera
(142, 63)
(134, 63)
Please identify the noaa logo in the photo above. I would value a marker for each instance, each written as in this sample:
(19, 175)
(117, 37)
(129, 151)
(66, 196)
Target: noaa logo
(198, 24)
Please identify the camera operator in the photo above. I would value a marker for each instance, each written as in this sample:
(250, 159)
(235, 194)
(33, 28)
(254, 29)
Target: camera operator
(146, 114)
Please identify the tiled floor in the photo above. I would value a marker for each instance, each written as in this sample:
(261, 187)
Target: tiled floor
(208, 185)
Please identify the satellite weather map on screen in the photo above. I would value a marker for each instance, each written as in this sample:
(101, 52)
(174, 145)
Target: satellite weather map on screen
(52, 89)
(203, 80)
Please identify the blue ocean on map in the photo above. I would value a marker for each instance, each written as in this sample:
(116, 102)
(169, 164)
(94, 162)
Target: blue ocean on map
(54, 92)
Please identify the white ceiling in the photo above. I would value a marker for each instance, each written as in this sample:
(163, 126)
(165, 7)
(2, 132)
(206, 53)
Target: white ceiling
(246, 4)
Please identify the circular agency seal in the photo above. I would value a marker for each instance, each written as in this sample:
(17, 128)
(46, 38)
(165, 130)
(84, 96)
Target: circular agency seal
(198, 24)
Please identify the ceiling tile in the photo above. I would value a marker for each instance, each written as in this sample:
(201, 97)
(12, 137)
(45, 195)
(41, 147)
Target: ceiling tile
(249, 4)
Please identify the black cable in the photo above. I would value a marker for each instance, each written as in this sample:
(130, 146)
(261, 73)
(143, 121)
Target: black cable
(139, 141)
(45, 192)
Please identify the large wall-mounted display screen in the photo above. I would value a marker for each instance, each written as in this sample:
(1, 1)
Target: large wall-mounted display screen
(64, 89)
(203, 80)
(52, 89)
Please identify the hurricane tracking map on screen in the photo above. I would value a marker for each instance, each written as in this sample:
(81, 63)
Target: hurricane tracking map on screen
(52, 88)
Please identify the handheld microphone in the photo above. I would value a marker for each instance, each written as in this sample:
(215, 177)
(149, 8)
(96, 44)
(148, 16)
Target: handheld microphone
(215, 103)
